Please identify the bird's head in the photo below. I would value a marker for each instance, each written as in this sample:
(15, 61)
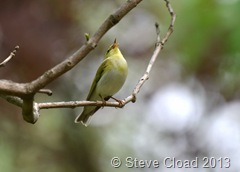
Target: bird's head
(113, 49)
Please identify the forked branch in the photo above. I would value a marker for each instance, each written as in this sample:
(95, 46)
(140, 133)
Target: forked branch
(22, 95)
(12, 91)
(132, 98)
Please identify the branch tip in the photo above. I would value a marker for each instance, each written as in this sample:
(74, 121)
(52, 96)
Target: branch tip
(46, 91)
(12, 54)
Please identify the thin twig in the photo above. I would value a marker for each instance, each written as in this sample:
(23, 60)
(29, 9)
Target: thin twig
(12, 54)
(45, 91)
(173, 18)
(158, 48)
(74, 104)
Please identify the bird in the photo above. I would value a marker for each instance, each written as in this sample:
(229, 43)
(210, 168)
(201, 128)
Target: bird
(109, 79)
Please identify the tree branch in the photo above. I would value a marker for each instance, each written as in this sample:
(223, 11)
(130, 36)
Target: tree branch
(12, 54)
(22, 94)
(70, 62)
(132, 98)
(26, 91)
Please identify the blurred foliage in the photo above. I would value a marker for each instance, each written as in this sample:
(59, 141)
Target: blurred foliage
(202, 57)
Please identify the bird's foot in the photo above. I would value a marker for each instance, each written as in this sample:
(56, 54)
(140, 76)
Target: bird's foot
(121, 103)
(103, 100)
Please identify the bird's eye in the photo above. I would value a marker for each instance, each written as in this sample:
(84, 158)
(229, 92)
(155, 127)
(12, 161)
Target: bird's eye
(109, 50)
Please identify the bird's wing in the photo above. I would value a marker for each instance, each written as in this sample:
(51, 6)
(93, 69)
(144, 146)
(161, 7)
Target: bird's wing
(101, 70)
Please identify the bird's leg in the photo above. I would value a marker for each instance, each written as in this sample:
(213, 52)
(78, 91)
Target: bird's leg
(103, 100)
(121, 103)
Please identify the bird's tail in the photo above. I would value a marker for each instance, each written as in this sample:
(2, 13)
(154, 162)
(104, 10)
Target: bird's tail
(86, 115)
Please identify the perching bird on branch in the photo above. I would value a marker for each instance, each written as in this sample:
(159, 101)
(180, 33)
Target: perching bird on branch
(108, 80)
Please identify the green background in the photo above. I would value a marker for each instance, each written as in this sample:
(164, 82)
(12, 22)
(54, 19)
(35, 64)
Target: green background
(188, 108)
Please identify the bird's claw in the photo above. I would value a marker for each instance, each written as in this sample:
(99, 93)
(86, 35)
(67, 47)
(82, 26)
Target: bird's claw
(121, 103)
(103, 102)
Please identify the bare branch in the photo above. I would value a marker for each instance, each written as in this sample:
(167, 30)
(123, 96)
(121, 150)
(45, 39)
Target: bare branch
(45, 91)
(74, 104)
(132, 98)
(158, 48)
(173, 18)
(26, 91)
(23, 94)
(12, 88)
(28, 109)
(12, 99)
(12, 54)
(70, 62)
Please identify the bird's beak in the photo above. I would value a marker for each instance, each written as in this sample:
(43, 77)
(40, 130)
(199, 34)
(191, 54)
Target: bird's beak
(115, 43)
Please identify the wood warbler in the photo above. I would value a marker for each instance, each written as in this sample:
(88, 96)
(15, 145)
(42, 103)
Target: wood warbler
(108, 80)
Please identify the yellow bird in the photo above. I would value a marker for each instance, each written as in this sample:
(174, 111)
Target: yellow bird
(108, 80)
